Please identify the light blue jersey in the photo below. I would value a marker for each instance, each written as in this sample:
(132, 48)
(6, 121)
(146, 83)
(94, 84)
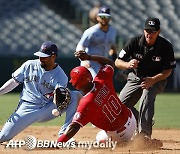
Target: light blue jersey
(38, 83)
(97, 42)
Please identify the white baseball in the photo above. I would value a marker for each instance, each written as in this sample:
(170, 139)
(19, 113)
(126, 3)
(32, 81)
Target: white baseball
(55, 112)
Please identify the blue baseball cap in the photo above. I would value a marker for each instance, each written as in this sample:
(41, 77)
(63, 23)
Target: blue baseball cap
(104, 11)
(47, 49)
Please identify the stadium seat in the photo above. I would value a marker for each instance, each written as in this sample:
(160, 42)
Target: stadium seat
(26, 24)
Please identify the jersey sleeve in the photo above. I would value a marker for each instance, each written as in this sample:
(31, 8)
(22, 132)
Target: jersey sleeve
(84, 41)
(63, 79)
(106, 72)
(18, 75)
(127, 50)
(169, 61)
(83, 113)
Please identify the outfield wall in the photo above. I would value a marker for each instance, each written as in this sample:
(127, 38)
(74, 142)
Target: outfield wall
(10, 64)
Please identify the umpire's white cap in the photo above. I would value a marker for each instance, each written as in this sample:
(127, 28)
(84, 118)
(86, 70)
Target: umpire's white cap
(47, 49)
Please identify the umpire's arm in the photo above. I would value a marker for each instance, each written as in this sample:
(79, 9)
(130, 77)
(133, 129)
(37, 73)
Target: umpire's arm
(150, 81)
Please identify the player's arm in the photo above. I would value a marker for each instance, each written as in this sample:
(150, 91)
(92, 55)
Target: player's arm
(113, 53)
(8, 86)
(121, 64)
(149, 81)
(71, 130)
(81, 48)
(125, 60)
(100, 59)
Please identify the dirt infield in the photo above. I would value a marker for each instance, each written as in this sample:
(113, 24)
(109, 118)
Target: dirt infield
(170, 139)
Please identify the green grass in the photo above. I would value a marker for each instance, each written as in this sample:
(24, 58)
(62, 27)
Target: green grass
(9, 103)
(167, 110)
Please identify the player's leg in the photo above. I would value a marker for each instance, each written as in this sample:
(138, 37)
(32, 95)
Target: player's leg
(45, 113)
(127, 134)
(122, 135)
(131, 93)
(24, 116)
(71, 109)
(102, 136)
(146, 107)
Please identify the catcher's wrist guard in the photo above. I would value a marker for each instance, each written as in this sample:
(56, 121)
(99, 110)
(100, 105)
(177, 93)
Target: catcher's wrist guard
(61, 98)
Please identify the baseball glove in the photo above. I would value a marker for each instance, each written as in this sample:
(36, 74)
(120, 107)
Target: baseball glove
(61, 98)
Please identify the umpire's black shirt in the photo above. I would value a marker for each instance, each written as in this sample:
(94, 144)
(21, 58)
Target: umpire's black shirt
(153, 60)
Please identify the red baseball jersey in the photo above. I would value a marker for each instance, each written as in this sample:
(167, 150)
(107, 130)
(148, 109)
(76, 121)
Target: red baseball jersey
(101, 106)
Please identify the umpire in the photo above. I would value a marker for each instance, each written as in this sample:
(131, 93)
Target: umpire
(150, 60)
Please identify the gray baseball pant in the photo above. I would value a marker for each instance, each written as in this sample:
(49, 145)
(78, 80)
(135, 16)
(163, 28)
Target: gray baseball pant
(130, 95)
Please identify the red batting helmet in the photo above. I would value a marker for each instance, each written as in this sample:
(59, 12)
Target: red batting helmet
(80, 76)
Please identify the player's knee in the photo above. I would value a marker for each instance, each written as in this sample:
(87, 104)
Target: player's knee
(101, 136)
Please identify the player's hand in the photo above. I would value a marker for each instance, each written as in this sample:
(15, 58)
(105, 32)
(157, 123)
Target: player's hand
(133, 63)
(82, 55)
(147, 82)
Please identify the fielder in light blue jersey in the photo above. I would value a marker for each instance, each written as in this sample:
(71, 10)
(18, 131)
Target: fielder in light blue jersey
(99, 39)
(40, 78)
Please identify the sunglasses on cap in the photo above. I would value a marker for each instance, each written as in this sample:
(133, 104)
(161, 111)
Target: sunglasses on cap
(104, 17)
(150, 31)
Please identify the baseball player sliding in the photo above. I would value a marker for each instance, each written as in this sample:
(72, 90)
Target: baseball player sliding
(40, 78)
(100, 105)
